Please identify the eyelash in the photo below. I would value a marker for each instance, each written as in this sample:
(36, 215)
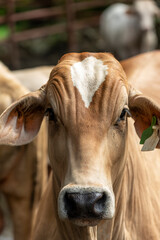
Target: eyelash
(123, 114)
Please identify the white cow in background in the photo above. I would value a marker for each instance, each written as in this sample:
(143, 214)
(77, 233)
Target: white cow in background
(130, 29)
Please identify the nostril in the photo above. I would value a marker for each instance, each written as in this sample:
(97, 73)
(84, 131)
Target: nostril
(70, 204)
(100, 204)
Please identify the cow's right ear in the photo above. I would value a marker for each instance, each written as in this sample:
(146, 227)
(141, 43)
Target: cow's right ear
(20, 122)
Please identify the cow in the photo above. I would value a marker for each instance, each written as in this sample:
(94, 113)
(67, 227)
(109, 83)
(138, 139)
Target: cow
(26, 76)
(22, 179)
(128, 30)
(103, 186)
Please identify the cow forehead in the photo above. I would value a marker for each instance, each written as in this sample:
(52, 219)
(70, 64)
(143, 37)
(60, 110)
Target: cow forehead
(87, 76)
(82, 82)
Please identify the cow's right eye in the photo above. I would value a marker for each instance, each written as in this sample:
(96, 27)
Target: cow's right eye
(51, 115)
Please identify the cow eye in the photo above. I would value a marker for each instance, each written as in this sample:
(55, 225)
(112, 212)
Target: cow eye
(51, 115)
(122, 117)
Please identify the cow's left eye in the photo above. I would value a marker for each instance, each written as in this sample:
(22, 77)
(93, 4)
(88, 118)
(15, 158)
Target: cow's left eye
(123, 115)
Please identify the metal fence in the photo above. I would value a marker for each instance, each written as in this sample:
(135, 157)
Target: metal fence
(65, 16)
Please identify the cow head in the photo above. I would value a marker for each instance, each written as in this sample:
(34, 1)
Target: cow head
(87, 100)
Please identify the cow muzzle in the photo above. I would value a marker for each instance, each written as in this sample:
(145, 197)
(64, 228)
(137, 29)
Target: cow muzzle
(86, 206)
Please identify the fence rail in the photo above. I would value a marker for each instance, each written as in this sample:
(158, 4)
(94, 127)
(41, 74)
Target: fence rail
(67, 11)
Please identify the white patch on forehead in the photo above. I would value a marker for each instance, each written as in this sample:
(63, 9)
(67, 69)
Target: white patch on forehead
(87, 76)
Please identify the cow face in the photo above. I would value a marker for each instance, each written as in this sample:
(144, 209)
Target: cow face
(86, 100)
(88, 132)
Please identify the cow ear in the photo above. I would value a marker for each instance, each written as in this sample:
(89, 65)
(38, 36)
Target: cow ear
(20, 122)
(143, 109)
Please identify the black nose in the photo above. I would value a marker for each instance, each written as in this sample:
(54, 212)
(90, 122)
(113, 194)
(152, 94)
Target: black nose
(85, 205)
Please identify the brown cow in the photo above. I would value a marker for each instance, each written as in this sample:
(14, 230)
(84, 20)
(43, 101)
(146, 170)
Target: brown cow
(33, 78)
(20, 188)
(103, 186)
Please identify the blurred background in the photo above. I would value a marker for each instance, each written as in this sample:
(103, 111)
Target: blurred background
(38, 32)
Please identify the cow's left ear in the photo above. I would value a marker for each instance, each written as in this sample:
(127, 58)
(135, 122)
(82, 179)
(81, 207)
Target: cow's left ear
(143, 109)
(20, 122)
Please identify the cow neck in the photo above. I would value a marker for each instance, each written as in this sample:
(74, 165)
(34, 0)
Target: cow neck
(117, 227)
(69, 231)
(135, 194)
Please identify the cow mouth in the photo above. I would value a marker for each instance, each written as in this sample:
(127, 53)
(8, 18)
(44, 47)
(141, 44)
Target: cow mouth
(84, 222)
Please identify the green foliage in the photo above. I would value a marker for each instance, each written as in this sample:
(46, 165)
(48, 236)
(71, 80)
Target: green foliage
(4, 32)
(148, 132)
(2, 11)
